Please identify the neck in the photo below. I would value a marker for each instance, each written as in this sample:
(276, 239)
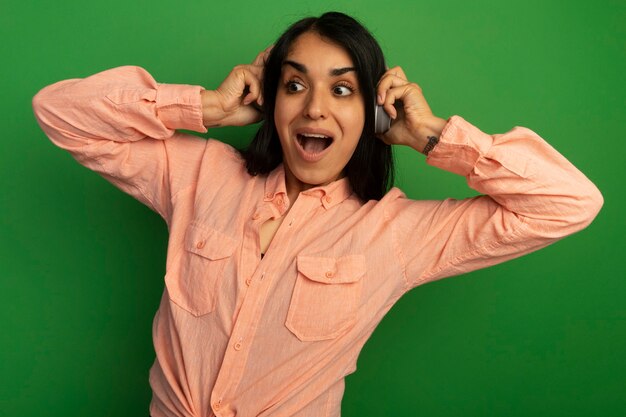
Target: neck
(294, 186)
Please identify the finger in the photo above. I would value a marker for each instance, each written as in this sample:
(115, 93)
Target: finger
(387, 82)
(257, 70)
(258, 60)
(266, 53)
(253, 85)
(258, 73)
(396, 72)
(261, 58)
(393, 77)
(395, 94)
(252, 78)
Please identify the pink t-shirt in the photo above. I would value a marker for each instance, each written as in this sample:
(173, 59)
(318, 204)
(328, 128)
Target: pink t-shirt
(239, 335)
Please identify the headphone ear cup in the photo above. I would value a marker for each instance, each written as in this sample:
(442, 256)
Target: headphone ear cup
(382, 121)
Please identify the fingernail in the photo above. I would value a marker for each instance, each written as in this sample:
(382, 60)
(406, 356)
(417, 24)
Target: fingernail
(380, 99)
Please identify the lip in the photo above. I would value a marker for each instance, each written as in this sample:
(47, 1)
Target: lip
(310, 156)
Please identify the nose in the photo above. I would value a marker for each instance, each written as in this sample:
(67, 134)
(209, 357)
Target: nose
(316, 106)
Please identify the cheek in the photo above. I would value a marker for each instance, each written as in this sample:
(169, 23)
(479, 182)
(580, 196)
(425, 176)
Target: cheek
(281, 114)
(354, 121)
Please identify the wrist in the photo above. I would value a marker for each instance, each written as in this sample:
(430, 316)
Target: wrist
(212, 111)
(428, 134)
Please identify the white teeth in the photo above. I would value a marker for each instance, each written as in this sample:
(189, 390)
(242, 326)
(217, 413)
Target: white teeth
(313, 135)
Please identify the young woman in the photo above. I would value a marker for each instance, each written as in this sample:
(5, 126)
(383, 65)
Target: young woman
(283, 258)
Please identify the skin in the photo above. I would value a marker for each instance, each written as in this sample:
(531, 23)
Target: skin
(318, 92)
(311, 96)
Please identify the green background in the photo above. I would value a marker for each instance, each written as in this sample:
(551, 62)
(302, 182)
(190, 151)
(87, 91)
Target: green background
(83, 263)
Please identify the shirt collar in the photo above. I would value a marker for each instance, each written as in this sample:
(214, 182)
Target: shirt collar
(329, 195)
(275, 184)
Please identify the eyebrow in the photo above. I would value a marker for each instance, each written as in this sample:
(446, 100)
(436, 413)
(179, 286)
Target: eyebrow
(334, 72)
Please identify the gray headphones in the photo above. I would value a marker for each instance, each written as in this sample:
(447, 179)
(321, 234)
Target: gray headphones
(382, 121)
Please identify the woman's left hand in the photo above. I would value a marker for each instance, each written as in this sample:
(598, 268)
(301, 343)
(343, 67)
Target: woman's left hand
(413, 121)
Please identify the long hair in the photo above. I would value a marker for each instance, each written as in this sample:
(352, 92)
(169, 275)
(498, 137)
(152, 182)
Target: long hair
(370, 170)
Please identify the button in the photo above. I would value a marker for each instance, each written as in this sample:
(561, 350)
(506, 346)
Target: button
(269, 195)
(280, 201)
(217, 405)
(248, 281)
(200, 244)
(256, 216)
(328, 199)
(330, 274)
(238, 345)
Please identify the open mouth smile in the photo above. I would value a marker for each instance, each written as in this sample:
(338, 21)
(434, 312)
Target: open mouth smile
(313, 146)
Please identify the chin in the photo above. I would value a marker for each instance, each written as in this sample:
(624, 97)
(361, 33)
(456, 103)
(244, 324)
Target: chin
(315, 177)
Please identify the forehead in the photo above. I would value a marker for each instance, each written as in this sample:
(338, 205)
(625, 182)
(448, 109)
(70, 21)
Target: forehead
(312, 50)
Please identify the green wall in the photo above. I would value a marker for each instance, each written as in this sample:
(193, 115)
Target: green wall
(83, 263)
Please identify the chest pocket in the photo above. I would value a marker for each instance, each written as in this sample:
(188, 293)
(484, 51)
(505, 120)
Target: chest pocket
(195, 283)
(326, 296)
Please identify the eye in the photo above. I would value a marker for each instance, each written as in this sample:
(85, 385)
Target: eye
(293, 86)
(343, 90)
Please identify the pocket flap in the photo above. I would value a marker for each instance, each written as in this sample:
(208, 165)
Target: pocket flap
(208, 242)
(345, 269)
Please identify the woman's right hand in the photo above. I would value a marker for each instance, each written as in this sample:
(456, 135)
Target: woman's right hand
(237, 101)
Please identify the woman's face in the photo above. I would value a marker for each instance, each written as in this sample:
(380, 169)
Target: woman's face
(319, 111)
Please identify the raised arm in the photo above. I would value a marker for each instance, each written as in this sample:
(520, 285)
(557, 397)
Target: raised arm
(533, 196)
(122, 124)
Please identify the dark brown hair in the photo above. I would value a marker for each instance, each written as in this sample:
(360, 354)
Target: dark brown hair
(370, 170)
